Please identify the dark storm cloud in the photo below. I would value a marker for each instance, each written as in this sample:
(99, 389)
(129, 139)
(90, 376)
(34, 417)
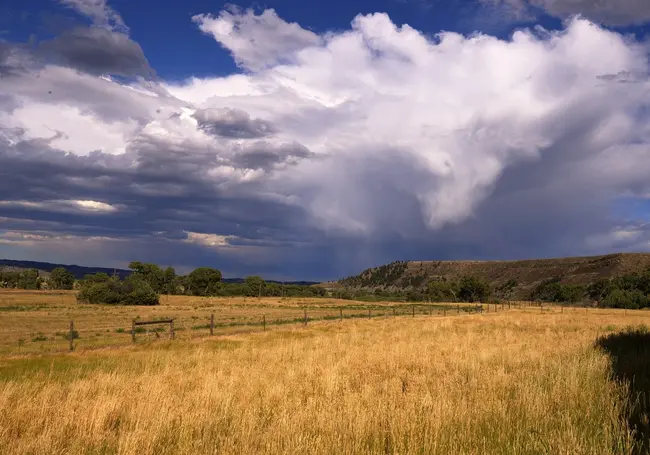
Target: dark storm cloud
(5, 51)
(155, 189)
(97, 50)
(232, 123)
(263, 155)
(13, 58)
(607, 12)
(318, 177)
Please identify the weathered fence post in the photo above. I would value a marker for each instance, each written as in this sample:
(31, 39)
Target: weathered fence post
(264, 322)
(368, 313)
(171, 329)
(341, 313)
(212, 324)
(305, 316)
(413, 307)
(71, 335)
(133, 330)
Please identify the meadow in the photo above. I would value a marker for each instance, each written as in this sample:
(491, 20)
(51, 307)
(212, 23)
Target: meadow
(523, 380)
(38, 322)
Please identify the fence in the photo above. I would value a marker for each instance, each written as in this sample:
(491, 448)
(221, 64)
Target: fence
(90, 334)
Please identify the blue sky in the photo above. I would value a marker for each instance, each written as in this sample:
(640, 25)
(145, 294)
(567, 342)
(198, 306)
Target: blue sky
(177, 58)
(309, 140)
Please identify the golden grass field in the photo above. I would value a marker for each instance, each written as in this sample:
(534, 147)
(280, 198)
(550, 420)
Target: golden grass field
(37, 322)
(512, 382)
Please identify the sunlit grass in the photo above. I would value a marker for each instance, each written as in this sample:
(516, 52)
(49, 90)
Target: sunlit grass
(511, 382)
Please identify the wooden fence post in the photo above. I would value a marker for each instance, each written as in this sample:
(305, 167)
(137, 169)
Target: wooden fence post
(212, 324)
(71, 335)
(305, 316)
(264, 322)
(171, 329)
(133, 330)
(341, 313)
(368, 313)
(413, 307)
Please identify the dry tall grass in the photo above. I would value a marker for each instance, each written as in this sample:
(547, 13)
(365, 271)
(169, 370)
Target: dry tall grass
(501, 384)
(37, 322)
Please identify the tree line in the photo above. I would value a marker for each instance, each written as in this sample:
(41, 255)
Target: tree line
(147, 281)
(59, 278)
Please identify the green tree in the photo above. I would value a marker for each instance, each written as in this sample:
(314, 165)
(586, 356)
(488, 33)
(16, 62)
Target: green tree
(473, 289)
(255, 286)
(442, 291)
(170, 281)
(203, 281)
(29, 279)
(151, 273)
(599, 289)
(61, 278)
(100, 277)
(620, 298)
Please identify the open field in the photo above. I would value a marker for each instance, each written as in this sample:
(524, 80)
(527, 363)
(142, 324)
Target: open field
(38, 321)
(500, 383)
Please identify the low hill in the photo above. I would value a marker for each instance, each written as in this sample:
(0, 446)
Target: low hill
(46, 267)
(528, 274)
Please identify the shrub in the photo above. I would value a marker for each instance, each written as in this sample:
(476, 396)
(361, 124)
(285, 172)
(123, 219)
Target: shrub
(132, 291)
(619, 298)
(472, 289)
(551, 290)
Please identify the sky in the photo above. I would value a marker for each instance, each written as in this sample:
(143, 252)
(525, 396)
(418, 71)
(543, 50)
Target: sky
(311, 140)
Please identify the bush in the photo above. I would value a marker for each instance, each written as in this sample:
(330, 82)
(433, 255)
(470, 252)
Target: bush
(619, 298)
(472, 289)
(132, 291)
(552, 290)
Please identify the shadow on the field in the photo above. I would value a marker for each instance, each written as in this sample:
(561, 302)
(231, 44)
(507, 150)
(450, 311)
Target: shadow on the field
(630, 357)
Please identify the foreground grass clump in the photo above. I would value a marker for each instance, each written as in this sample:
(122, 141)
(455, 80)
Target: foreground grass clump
(499, 384)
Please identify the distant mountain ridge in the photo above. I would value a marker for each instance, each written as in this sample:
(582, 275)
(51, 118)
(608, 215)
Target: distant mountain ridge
(80, 271)
(403, 275)
(47, 267)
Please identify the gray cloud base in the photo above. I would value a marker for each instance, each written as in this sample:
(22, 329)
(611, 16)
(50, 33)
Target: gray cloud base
(290, 174)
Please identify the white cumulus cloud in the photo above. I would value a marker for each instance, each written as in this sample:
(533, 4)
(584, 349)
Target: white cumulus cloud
(377, 133)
